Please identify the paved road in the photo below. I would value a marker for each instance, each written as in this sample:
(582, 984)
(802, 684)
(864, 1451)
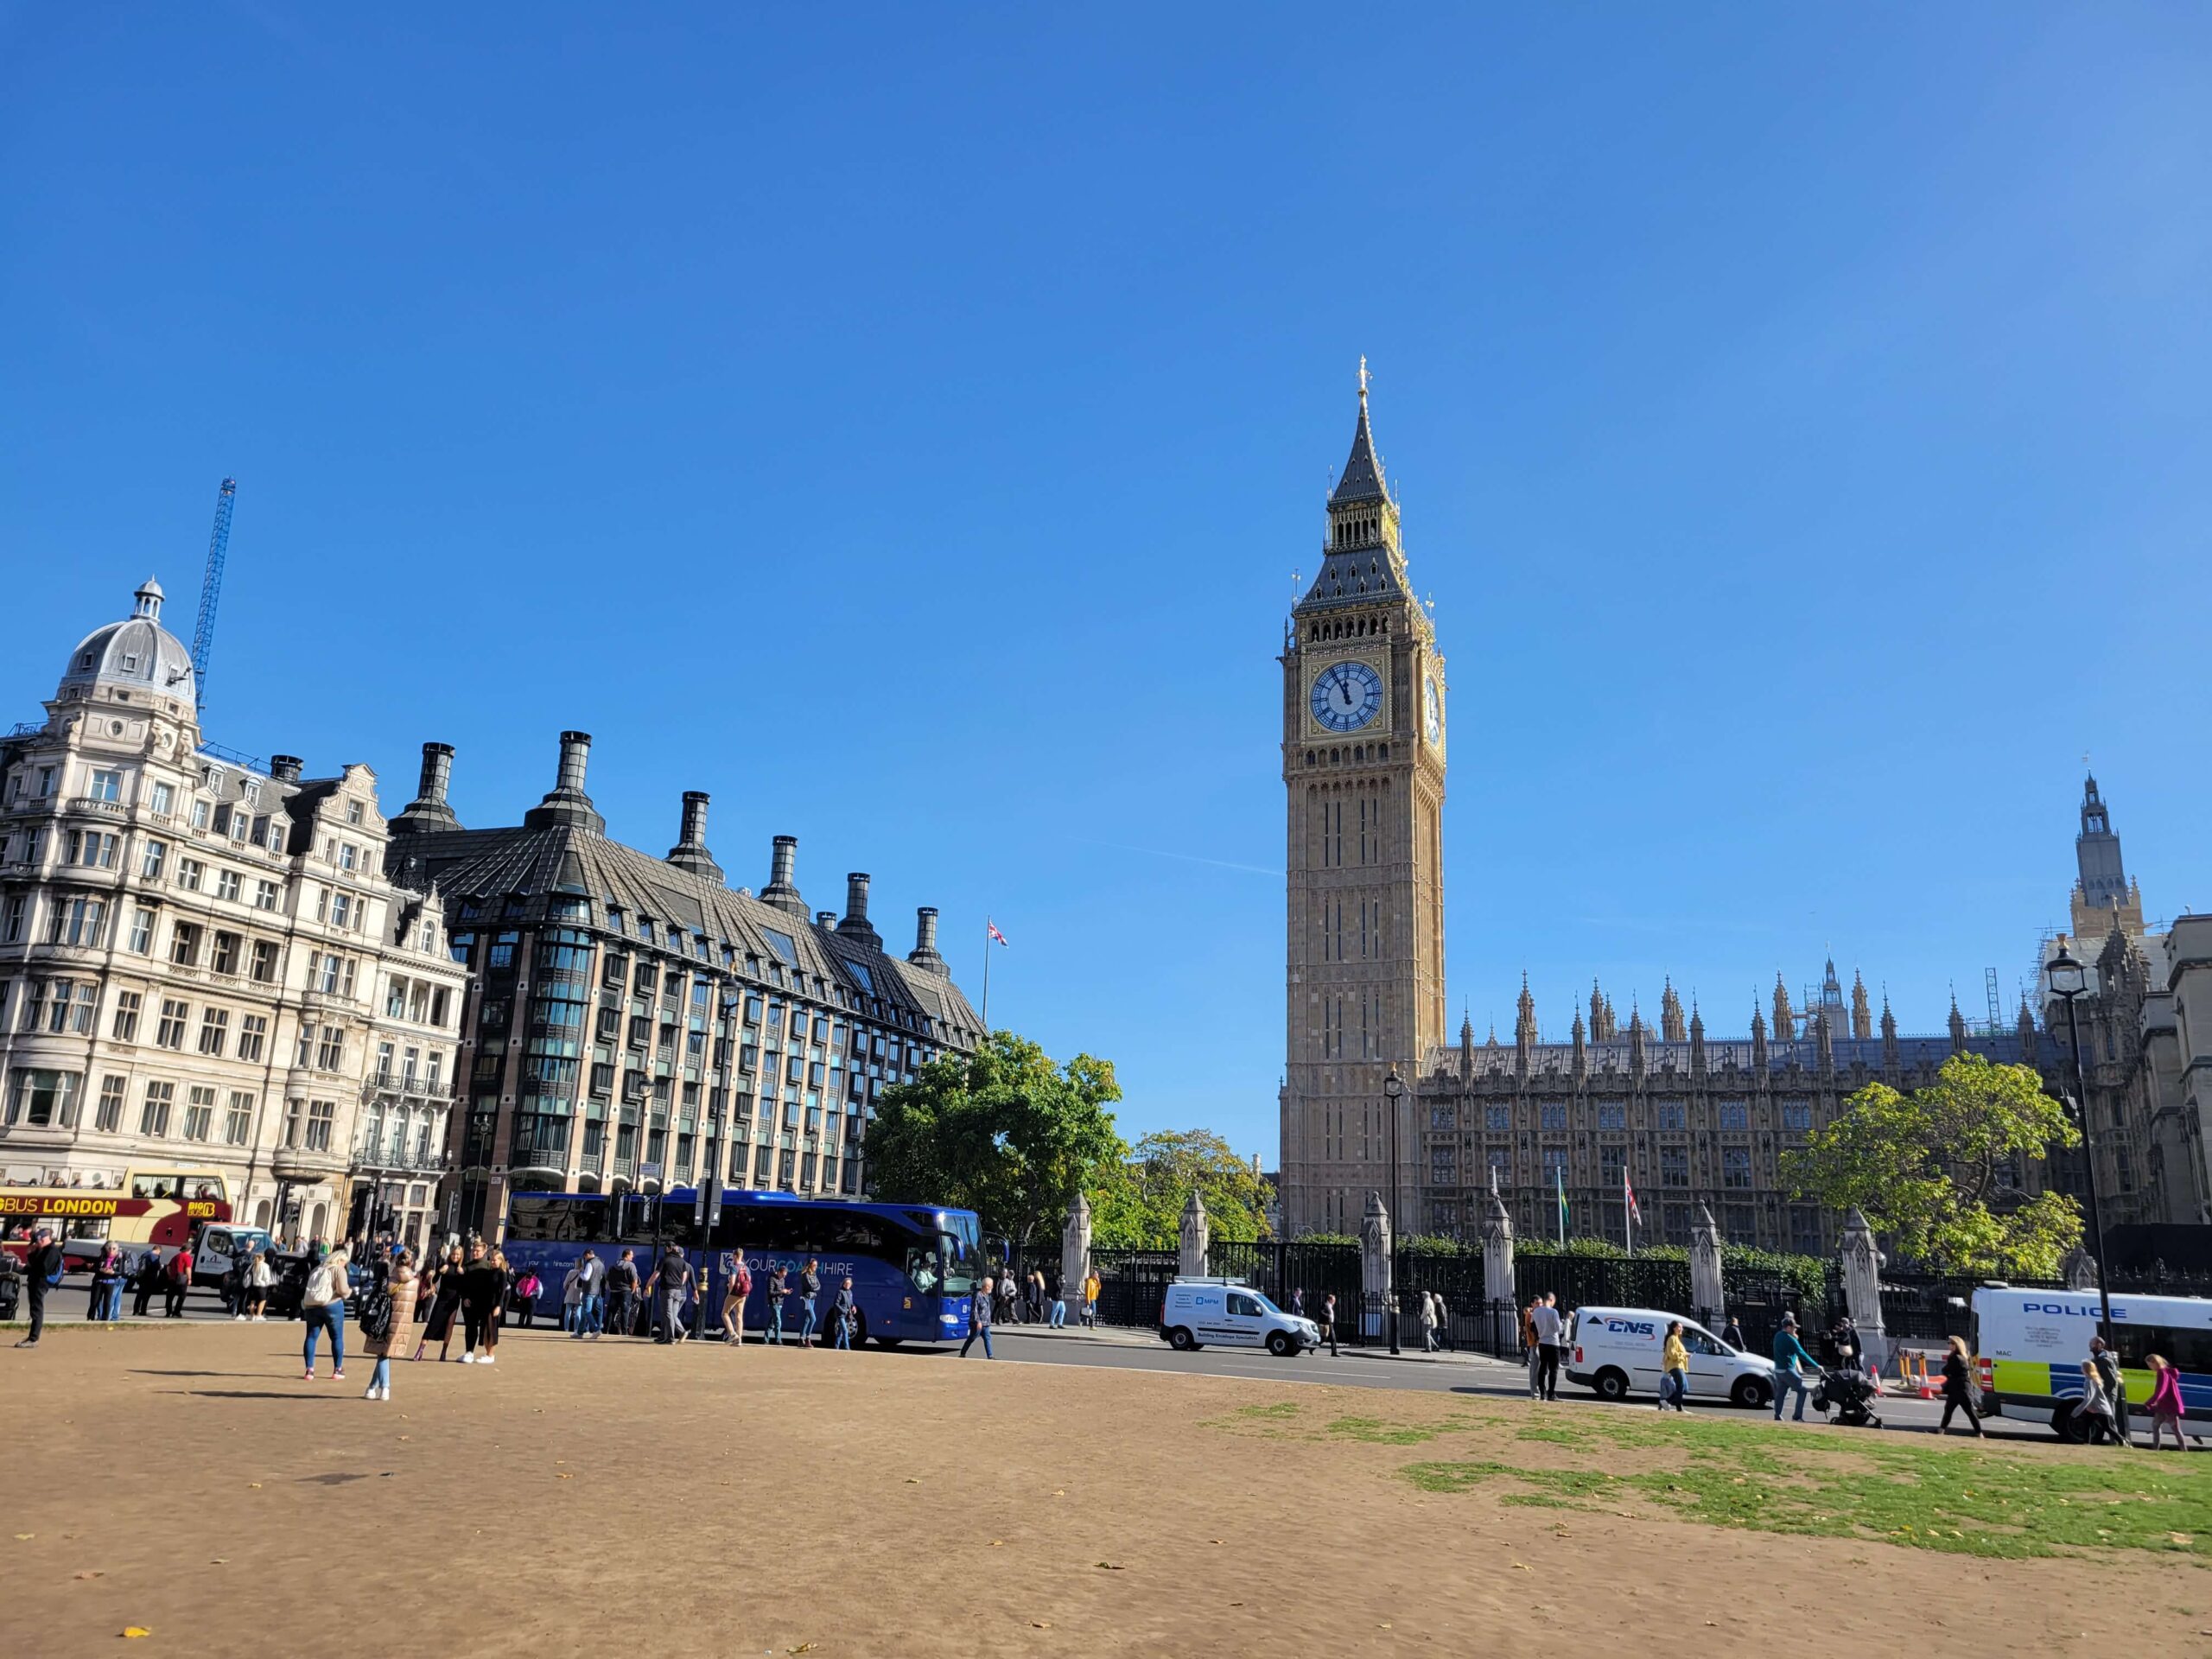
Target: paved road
(1472, 1376)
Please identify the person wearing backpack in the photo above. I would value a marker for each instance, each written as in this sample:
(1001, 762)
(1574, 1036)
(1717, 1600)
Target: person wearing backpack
(41, 1273)
(387, 1321)
(737, 1285)
(322, 1306)
(145, 1280)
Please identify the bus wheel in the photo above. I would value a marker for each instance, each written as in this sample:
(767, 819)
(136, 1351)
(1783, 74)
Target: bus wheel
(859, 1329)
(2064, 1424)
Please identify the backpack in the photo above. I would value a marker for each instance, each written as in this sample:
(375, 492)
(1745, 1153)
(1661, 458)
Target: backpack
(60, 1262)
(376, 1315)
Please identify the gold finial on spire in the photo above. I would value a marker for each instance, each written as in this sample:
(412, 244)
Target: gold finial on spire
(1363, 377)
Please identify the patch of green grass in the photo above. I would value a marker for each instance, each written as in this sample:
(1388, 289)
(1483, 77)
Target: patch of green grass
(1281, 1409)
(1964, 1502)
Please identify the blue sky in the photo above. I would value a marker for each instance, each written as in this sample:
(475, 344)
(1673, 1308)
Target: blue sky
(905, 425)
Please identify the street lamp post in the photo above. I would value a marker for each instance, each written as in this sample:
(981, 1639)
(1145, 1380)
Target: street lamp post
(1394, 1091)
(2068, 979)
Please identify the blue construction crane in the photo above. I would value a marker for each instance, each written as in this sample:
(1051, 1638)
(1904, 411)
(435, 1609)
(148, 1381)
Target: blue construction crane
(211, 589)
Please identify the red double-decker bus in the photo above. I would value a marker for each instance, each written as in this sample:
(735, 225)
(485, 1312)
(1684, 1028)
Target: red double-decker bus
(164, 1207)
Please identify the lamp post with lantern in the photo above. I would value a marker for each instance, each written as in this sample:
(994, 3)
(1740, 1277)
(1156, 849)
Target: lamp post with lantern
(2068, 980)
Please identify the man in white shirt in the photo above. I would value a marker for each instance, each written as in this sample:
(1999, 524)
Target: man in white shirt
(1549, 1328)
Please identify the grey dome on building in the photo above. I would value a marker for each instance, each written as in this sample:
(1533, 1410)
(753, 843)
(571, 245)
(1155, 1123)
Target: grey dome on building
(137, 654)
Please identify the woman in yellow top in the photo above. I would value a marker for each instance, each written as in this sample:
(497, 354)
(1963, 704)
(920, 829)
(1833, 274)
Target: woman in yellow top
(1091, 1287)
(1675, 1368)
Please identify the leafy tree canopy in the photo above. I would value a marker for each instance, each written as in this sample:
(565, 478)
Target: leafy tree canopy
(1923, 1169)
(1138, 1203)
(1004, 1132)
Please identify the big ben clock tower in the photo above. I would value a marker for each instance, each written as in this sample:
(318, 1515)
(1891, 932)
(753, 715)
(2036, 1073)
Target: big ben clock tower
(1363, 763)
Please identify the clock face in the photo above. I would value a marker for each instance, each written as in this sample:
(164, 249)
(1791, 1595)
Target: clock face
(1432, 713)
(1346, 696)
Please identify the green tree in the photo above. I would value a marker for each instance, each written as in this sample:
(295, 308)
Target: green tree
(1139, 1201)
(1004, 1132)
(1923, 1168)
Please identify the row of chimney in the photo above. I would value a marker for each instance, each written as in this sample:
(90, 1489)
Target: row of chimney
(567, 802)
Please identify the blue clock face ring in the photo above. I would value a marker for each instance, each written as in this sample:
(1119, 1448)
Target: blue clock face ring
(1346, 696)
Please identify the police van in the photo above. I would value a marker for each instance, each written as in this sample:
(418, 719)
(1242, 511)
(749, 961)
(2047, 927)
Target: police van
(1195, 1311)
(1615, 1353)
(2029, 1345)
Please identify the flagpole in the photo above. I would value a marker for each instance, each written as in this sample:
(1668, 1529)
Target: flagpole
(987, 976)
(1628, 1213)
(1559, 1184)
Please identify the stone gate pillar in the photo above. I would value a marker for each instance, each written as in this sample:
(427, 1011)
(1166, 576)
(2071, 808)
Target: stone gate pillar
(1708, 1303)
(1502, 1299)
(1075, 1252)
(1375, 1266)
(1194, 1233)
(1862, 1287)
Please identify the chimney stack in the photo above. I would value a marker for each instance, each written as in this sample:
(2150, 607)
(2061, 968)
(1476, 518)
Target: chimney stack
(285, 768)
(856, 925)
(690, 852)
(567, 802)
(428, 812)
(782, 890)
(924, 955)
(825, 919)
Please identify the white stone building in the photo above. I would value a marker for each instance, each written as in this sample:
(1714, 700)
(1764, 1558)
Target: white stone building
(204, 971)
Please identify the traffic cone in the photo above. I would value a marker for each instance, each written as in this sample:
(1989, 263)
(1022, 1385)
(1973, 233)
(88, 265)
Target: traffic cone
(1926, 1393)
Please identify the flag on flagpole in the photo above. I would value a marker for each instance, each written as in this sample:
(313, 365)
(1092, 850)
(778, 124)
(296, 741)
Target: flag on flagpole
(1634, 1215)
(994, 927)
(1559, 1180)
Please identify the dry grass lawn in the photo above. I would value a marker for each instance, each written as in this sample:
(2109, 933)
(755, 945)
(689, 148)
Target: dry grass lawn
(619, 1498)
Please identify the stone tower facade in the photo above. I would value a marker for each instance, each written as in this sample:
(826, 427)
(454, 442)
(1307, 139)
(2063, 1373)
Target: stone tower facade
(2104, 899)
(1363, 758)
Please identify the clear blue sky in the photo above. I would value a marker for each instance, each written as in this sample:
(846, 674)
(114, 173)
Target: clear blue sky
(904, 424)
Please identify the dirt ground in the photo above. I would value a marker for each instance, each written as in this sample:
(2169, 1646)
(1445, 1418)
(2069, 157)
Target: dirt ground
(619, 1498)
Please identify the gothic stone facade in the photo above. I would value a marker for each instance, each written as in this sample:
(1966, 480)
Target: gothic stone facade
(633, 1021)
(205, 975)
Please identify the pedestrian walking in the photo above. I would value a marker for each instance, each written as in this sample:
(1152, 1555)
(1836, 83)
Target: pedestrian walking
(41, 1273)
(594, 1290)
(622, 1294)
(2096, 1414)
(1959, 1389)
(1549, 1328)
(2108, 1365)
(842, 1310)
(145, 1281)
(979, 1320)
(384, 1327)
(1059, 1307)
(1091, 1285)
(105, 1301)
(445, 1304)
(1443, 1323)
(1732, 1334)
(1328, 1320)
(670, 1285)
(322, 1307)
(572, 1300)
(480, 1285)
(779, 1280)
(1428, 1323)
(809, 1286)
(503, 1293)
(736, 1287)
(1529, 1345)
(1788, 1355)
(260, 1275)
(1673, 1370)
(234, 1285)
(2165, 1404)
(526, 1289)
(178, 1281)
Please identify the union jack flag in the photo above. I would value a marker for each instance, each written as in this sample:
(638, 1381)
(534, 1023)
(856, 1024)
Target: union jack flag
(994, 927)
(1629, 1193)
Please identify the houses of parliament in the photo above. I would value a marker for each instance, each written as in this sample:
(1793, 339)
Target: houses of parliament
(1688, 1118)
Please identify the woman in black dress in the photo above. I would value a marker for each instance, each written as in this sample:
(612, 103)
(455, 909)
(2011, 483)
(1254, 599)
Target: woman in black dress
(445, 1302)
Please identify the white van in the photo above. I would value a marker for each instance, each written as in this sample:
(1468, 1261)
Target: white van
(2028, 1347)
(221, 1244)
(1616, 1350)
(1195, 1311)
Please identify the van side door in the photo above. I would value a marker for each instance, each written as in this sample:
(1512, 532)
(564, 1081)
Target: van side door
(1245, 1321)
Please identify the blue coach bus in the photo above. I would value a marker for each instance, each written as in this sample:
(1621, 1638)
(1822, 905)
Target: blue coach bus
(914, 1268)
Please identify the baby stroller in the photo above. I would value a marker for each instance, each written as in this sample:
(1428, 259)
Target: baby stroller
(1850, 1394)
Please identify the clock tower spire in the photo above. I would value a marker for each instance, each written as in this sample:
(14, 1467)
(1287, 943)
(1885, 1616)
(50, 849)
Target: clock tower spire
(1362, 757)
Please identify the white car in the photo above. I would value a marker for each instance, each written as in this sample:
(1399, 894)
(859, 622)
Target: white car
(1615, 1351)
(1195, 1311)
